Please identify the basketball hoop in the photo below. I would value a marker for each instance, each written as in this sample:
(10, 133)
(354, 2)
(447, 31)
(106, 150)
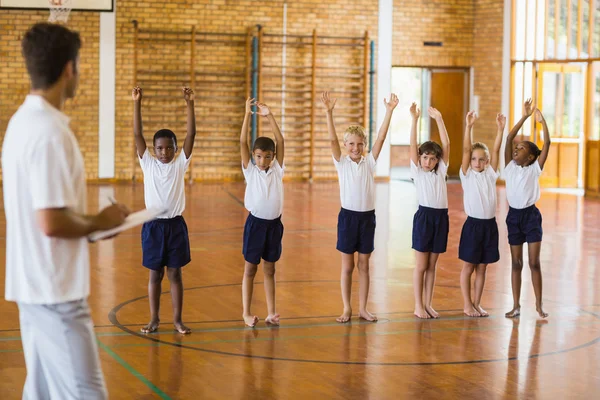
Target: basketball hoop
(59, 10)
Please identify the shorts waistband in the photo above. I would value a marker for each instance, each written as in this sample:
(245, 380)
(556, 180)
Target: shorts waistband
(521, 210)
(264, 220)
(481, 219)
(167, 220)
(433, 210)
(360, 213)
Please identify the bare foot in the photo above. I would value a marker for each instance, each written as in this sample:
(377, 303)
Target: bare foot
(471, 311)
(181, 328)
(432, 312)
(481, 311)
(272, 319)
(367, 316)
(540, 311)
(421, 313)
(345, 317)
(514, 313)
(151, 327)
(250, 320)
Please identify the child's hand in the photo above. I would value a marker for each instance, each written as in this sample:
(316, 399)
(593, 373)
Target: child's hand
(471, 118)
(434, 113)
(528, 107)
(415, 112)
(329, 104)
(249, 103)
(501, 121)
(263, 109)
(136, 94)
(539, 117)
(390, 105)
(188, 94)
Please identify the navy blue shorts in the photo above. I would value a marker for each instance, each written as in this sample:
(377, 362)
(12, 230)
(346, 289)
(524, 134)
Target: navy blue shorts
(262, 239)
(165, 242)
(356, 231)
(430, 230)
(479, 241)
(524, 225)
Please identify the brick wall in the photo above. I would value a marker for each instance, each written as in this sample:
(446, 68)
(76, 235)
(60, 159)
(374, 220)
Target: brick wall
(14, 82)
(400, 156)
(333, 18)
(471, 32)
(455, 23)
(487, 63)
(448, 21)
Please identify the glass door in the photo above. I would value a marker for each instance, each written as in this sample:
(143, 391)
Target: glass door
(560, 95)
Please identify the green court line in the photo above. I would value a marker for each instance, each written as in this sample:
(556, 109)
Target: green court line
(133, 371)
(11, 338)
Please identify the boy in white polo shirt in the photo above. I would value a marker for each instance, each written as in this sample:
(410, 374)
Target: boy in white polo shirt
(47, 257)
(165, 241)
(479, 237)
(263, 230)
(356, 220)
(524, 165)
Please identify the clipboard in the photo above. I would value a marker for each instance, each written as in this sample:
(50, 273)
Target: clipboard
(132, 220)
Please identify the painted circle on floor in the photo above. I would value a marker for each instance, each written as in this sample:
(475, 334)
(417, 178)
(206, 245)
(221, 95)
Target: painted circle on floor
(397, 339)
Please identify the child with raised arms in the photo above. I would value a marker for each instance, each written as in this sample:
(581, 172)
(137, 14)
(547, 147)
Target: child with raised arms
(165, 241)
(479, 237)
(263, 230)
(356, 220)
(429, 170)
(524, 165)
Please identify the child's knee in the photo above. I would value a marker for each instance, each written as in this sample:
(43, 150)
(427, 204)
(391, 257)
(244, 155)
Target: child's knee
(535, 265)
(468, 268)
(347, 269)
(156, 276)
(250, 270)
(174, 274)
(363, 267)
(431, 267)
(517, 264)
(269, 269)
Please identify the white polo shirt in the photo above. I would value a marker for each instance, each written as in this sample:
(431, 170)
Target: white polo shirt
(264, 190)
(479, 195)
(431, 186)
(42, 168)
(357, 182)
(522, 184)
(164, 184)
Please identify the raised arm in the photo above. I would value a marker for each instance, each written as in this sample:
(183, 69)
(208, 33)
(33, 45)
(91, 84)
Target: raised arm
(501, 123)
(435, 114)
(508, 148)
(190, 137)
(140, 142)
(468, 141)
(415, 113)
(265, 111)
(385, 126)
(244, 147)
(546, 148)
(334, 141)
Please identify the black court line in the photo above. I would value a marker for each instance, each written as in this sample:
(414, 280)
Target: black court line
(115, 321)
(234, 197)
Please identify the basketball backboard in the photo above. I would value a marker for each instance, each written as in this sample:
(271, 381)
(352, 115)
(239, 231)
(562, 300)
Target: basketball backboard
(78, 5)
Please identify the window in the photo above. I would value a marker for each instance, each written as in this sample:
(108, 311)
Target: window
(410, 85)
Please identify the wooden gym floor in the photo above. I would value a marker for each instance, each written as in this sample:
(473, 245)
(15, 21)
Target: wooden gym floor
(310, 355)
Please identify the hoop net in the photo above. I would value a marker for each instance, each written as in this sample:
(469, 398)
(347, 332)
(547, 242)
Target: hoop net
(59, 10)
